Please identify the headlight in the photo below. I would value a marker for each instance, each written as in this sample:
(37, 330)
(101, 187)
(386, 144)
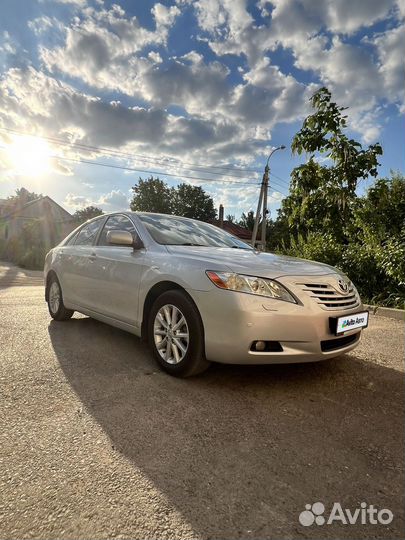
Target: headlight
(250, 284)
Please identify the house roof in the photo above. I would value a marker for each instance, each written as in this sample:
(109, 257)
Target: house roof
(233, 228)
(35, 201)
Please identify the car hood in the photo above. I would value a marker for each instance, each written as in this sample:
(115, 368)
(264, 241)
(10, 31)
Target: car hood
(254, 263)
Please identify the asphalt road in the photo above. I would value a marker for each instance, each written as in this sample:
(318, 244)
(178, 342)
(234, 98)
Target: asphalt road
(98, 443)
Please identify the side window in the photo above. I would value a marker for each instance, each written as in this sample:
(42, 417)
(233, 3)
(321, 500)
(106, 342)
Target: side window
(87, 234)
(116, 223)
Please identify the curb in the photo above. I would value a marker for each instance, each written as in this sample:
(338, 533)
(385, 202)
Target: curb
(393, 313)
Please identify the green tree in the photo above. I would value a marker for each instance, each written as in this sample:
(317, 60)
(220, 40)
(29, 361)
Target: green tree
(86, 213)
(277, 233)
(247, 220)
(152, 195)
(322, 196)
(22, 194)
(193, 202)
(21, 197)
(381, 211)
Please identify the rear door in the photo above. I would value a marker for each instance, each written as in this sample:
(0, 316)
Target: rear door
(116, 272)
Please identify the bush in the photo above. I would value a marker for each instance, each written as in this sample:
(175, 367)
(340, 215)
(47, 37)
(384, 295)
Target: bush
(29, 248)
(33, 259)
(359, 262)
(377, 269)
(316, 247)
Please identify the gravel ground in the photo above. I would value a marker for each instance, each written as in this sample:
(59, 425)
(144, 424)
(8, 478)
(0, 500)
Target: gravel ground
(98, 443)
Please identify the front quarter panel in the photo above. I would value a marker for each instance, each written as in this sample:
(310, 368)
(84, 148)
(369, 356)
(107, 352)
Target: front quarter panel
(161, 266)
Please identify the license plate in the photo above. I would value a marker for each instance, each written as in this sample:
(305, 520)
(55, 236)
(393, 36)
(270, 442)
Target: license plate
(351, 322)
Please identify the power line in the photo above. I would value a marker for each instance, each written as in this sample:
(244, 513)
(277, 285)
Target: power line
(141, 157)
(148, 159)
(134, 169)
(111, 166)
(281, 179)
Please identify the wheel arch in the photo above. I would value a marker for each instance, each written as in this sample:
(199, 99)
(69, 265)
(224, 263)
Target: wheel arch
(153, 293)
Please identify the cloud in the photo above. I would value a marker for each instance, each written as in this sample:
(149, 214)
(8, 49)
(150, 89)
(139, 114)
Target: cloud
(188, 82)
(401, 8)
(93, 52)
(268, 96)
(109, 202)
(115, 200)
(44, 24)
(315, 33)
(390, 47)
(342, 17)
(80, 3)
(76, 202)
(33, 101)
(101, 46)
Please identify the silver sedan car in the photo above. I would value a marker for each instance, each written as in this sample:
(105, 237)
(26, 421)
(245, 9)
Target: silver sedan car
(198, 294)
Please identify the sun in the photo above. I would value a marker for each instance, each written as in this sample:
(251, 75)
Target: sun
(29, 156)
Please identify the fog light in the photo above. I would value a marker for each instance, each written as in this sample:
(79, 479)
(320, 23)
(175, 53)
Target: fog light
(260, 345)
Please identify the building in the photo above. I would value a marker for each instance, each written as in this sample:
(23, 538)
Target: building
(232, 228)
(53, 221)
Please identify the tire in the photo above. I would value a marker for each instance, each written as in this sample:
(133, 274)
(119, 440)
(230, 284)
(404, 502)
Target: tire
(56, 306)
(172, 307)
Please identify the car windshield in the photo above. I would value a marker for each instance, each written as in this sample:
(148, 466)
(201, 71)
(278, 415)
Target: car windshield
(177, 231)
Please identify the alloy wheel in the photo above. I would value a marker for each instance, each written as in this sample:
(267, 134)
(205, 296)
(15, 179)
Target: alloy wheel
(171, 334)
(54, 297)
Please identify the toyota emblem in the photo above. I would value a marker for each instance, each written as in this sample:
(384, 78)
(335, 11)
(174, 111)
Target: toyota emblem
(343, 285)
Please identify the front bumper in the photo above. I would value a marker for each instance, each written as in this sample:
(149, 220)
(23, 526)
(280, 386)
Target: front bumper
(233, 321)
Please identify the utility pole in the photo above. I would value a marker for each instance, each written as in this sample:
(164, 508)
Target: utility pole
(263, 202)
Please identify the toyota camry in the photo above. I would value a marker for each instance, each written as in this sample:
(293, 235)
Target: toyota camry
(198, 294)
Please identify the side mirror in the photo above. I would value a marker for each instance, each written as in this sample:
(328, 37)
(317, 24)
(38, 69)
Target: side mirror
(137, 243)
(123, 238)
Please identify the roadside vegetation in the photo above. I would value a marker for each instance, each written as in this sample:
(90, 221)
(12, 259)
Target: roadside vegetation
(324, 218)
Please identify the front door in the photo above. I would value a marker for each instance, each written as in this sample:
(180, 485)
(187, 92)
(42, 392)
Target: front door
(116, 272)
(77, 283)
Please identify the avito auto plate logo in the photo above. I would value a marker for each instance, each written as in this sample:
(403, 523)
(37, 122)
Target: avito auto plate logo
(314, 514)
(350, 322)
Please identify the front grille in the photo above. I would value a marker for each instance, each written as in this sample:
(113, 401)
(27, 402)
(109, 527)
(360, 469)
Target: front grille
(339, 343)
(330, 298)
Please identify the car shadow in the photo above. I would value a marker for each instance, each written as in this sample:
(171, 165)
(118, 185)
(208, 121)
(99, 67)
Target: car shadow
(240, 450)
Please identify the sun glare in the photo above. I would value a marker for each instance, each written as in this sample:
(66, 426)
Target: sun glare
(29, 156)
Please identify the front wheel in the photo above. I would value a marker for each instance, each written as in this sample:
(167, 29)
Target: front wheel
(56, 306)
(176, 335)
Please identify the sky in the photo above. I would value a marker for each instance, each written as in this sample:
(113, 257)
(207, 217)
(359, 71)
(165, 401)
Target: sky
(202, 90)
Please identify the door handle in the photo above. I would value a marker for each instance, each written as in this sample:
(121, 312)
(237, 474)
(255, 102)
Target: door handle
(92, 257)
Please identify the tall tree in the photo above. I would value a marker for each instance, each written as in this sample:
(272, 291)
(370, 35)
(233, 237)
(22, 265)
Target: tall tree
(193, 202)
(89, 212)
(247, 220)
(21, 197)
(152, 195)
(381, 211)
(322, 195)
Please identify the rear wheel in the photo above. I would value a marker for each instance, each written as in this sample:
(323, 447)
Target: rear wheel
(176, 335)
(56, 306)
